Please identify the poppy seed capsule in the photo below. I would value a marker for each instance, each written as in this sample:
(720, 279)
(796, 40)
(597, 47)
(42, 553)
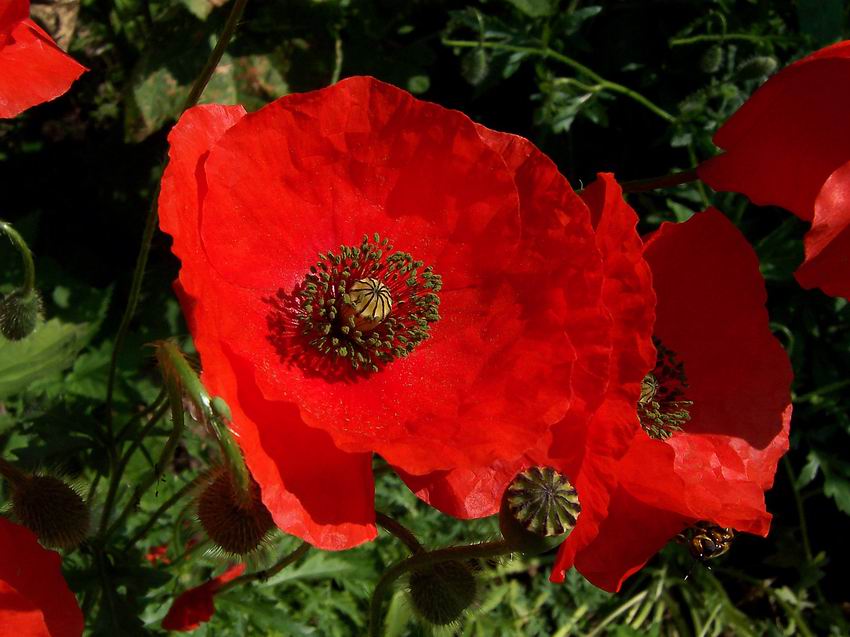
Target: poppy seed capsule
(440, 593)
(369, 303)
(51, 509)
(19, 314)
(236, 522)
(539, 508)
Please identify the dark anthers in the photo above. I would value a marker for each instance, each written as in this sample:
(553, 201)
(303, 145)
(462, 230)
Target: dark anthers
(368, 304)
(662, 409)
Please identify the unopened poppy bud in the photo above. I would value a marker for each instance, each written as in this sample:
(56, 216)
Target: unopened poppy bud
(442, 592)
(235, 521)
(712, 59)
(50, 508)
(757, 67)
(20, 312)
(474, 66)
(539, 508)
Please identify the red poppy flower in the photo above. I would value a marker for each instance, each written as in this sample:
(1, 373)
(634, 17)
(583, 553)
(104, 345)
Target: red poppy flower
(359, 277)
(197, 605)
(789, 146)
(158, 555)
(33, 69)
(715, 409)
(34, 598)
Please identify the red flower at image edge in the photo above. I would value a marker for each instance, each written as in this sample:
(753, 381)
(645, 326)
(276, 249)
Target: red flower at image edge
(719, 362)
(35, 601)
(197, 606)
(33, 69)
(789, 146)
(478, 328)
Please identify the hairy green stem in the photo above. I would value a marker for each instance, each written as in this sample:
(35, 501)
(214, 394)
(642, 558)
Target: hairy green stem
(722, 37)
(265, 574)
(665, 181)
(26, 255)
(151, 220)
(400, 531)
(546, 52)
(421, 560)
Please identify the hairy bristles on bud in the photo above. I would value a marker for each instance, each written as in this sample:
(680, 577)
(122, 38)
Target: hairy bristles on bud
(20, 312)
(237, 523)
(52, 509)
(441, 593)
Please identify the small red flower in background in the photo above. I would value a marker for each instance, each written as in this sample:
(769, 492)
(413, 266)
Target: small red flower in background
(361, 273)
(35, 601)
(158, 555)
(33, 69)
(715, 409)
(789, 146)
(197, 606)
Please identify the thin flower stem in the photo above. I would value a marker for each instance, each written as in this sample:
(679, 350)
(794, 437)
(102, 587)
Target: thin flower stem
(400, 531)
(666, 181)
(722, 37)
(421, 560)
(267, 573)
(151, 220)
(826, 389)
(154, 517)
(26, 256)
(801, 512)
(147, 411)
(546, 52)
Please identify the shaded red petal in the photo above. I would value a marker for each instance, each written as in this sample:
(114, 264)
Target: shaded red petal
(711, 314)
(827, 264)
(33, 69)
(12, 12)
(790, 136)
(629, 536)
(33, 594)
(196, 605)
(298, 469)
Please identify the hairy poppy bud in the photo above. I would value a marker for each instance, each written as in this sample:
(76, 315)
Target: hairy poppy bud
(20, 312)
(712, 59)
(474, 66)
(235, 521)
(50, 508)
(757, 67)
(440, 593)
(539, 508)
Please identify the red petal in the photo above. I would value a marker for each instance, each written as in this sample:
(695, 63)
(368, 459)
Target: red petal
(785, 141)
(197, 606)
(711, 313)
(31, 584)
(827, 264)
(12, 12)
(32, 69)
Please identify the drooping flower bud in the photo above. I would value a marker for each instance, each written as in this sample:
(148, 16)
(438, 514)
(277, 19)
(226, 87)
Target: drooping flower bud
(236, 521)
(50, 508)
(475, 66)
(712, 59)
(20, 312)
(442, 592)
(757, 67)
(539, 508)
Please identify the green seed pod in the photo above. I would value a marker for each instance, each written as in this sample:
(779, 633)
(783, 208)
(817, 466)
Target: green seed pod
(474, 66)
(442, 592)
(20, 313)
(712, 59)
(236, 522)
(757, 67)
(539, 509)
(51, 509)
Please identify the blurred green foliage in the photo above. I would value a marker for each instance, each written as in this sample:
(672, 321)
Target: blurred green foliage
(633, 87)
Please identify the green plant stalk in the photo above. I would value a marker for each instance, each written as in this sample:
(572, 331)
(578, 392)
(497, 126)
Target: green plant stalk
(546, 52)
(165, 506)
(400, 531)
(26, 255)
(421, 560)
(722, 37)
(634, 601)
(151, 220)
(265, 574)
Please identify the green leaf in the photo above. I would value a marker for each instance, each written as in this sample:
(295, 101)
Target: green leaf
(50, 350)
(535, 8)
(398, 616)
(202, 8)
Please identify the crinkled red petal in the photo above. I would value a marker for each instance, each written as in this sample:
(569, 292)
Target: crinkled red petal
(32, 69)
(196, 606)
(298, 469)
(827, 264)
(34, 598)
(711, 313)
(790, 136)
